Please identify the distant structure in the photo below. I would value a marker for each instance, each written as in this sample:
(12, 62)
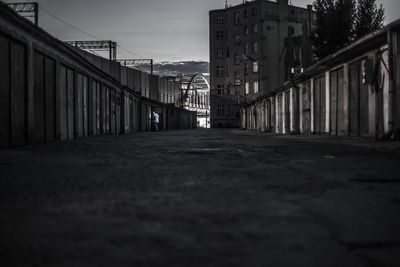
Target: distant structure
(195, 96)
(96, 45)
(254, 48)
(27, 10)
(138, 63)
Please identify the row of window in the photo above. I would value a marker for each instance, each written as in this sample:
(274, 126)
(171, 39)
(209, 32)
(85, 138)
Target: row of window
(255, 87)
(225, 52)
(221, 35)
(254, 29)
(221, 19)
(223, 110)
(221, 71)
(221, 90)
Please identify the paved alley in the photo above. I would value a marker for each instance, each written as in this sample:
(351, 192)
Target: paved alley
(201, 198)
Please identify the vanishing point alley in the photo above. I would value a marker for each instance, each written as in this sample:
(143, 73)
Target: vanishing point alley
(183, 133)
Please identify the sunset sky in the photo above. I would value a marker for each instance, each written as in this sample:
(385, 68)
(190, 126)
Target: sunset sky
(165, 30)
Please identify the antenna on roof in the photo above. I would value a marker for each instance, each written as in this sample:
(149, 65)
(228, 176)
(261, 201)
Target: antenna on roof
(226, 3)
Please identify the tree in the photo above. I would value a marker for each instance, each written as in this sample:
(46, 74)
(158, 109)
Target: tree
(333, 27)
(368, 18)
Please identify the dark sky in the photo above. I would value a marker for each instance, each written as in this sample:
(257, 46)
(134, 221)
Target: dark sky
(165, 30)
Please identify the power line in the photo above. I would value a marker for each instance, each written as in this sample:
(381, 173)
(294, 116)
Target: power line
(129, 51)
(66, 23)
(86, 33)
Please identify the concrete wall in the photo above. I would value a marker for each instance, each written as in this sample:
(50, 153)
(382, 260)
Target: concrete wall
(50, 91)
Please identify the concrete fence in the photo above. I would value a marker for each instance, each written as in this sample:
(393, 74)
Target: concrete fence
(49, 91)
(355, 92)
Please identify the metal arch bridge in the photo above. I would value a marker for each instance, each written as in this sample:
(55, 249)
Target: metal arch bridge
(193, 82)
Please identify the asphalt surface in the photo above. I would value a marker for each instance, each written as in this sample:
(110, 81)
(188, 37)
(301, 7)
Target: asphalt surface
(201, 198)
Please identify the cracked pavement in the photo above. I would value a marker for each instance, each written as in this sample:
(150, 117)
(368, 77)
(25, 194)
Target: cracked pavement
(201, 198)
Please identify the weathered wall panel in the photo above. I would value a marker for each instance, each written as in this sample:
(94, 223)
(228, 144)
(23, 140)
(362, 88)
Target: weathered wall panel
(287, 112)
(18, 93)
(333, 79)
(364, 105)
(341, 112)
(63, 110)
(115, 70)
(5, 130)
(50, 102)
(130, 78)
(79, 106)
(71, 103)
(105, 65)
(118, 112)
(93, 108)
(113, 113)
(124, 78)
(319, 105)
(98, 108)
(358, 102)
(37, 127)
(85, 86)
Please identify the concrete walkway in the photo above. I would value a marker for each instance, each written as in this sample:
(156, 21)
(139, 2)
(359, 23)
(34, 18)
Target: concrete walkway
(201, 198)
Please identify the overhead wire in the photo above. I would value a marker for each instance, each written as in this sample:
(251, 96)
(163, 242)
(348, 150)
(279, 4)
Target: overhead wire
(66, 23)
(84, 32)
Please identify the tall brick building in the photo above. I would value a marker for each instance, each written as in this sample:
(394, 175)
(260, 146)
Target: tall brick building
(254, 48)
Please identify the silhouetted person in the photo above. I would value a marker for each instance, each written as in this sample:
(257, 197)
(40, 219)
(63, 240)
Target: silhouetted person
(156, 120)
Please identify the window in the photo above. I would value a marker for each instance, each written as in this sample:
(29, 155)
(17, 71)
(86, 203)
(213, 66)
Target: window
(255, 86)
(255, 28)
(246, 49)
(237, 78)
(220, 110)
(237, 40)
(220, 71)
(220, 52)
(220, 20)
(219, 35)
(226, 71)
(246, 30)
(236, 59)
(237, 19)
(245, 13)
(227, 34)
(255, 47)
(220, 89)
(246, 68)
(254, 11)
(255, 66)
(228, 109)
(227, 52)
(247, 88)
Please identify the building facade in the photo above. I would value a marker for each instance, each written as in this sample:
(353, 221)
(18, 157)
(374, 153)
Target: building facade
(254, 47)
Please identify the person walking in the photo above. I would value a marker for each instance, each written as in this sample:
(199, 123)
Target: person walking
(156, 120)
